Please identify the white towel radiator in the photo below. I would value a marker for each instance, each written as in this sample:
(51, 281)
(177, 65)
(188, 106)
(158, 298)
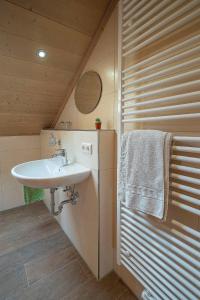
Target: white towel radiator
(159, 78)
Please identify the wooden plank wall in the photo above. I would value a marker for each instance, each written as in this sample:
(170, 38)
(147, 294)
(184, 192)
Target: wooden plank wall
(33, 89)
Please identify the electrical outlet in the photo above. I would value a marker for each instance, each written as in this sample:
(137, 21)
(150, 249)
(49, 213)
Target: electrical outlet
(86, 148)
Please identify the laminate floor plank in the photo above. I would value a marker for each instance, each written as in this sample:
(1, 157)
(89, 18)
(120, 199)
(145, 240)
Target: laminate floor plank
(38, 261)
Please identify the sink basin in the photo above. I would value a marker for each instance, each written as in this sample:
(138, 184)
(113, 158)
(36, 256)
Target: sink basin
(49, 173)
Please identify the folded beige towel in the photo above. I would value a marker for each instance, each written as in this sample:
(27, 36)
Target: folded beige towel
(144, 171)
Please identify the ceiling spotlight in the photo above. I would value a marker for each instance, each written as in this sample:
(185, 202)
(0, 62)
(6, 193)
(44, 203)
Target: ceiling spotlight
(41, 53)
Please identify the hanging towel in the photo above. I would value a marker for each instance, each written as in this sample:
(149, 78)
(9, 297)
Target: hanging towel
(32, 195)
(144, 171)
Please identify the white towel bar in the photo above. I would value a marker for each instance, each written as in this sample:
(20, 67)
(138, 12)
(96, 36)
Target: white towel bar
(193, 139)
(150, 21)
(174, 88)
(169, 80)
(174, 249)
(158, 250)
(133, 9)
(185, 188)
(187, 179)
(181, 22)
(148, 13)
(163, 109)
(186, 159)
(159, 79)
(187, 229)
(190, 209)
(193, 62)
(183, 97)
(186, 169)
(186, 198)
(186, 149)
(164, 23)
(176, 58)
(163, 118)
(161, 55)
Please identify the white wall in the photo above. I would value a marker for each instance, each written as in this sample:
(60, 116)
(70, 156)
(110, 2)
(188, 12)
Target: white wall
(89, 223)
(103, 60)
(15, 150)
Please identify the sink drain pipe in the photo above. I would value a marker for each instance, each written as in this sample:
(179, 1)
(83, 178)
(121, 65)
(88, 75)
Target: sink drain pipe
(73, 198)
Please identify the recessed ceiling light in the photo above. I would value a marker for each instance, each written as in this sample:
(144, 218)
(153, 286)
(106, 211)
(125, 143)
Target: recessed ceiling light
(41, 53)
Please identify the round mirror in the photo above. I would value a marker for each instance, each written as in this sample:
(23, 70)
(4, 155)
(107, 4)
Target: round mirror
(88, 92)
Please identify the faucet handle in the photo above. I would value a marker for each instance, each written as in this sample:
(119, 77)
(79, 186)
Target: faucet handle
(61, 152)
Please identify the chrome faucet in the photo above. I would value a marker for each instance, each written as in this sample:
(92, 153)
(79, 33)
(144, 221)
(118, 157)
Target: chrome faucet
(62, 153)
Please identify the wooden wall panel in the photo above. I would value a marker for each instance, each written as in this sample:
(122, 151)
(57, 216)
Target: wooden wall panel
(24, 102)
(26, 69)
(15, 46)
(26, 24)
(16, 84)
(80, 15)
(23, 124)
(32, 90)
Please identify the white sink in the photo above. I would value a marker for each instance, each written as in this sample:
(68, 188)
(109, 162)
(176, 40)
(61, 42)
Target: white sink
(49, 173)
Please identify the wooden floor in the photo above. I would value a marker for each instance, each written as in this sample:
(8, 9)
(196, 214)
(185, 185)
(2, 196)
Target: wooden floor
(37, 261)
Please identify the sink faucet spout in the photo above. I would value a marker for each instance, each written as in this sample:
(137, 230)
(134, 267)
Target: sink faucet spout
(62, 153)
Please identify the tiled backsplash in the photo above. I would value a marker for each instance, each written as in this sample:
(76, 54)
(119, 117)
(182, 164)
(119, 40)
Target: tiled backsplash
(15, 150)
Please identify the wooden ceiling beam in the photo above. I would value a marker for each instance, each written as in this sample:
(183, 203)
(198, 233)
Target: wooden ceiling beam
(107, 13)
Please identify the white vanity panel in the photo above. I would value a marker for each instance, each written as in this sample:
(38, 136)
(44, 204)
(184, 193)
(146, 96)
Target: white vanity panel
(89, 224)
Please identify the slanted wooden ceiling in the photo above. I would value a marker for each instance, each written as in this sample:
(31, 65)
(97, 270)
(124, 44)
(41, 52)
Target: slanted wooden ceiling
(32, 90)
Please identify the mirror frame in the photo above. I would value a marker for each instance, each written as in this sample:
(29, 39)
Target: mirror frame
(99, 96)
